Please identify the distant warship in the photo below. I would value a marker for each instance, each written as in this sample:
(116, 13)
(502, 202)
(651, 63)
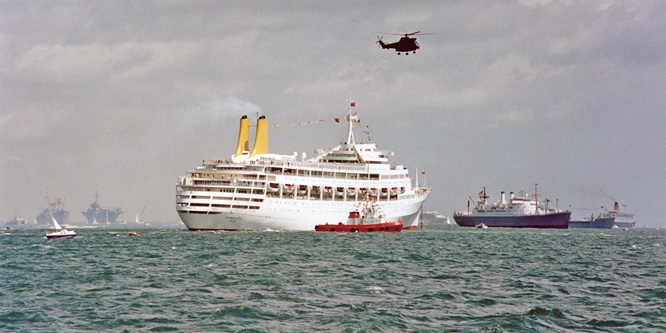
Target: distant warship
(96, 214)
(59, 213)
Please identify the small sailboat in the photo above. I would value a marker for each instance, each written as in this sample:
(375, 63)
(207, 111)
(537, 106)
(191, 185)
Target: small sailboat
(141, 218)
(59, 232)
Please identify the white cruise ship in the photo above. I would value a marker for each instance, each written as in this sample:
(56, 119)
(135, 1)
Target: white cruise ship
(257, 190)
(622, 219)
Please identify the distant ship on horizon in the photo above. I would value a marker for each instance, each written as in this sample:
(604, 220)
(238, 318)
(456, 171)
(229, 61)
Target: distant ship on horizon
(623, 219)
(59, 213)
(518, 212)
(17, 222)
(433, 216)
(97, 214)
(598, 222)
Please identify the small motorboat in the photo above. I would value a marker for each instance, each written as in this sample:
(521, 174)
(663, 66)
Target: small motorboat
(61, 233)
(481, 226)
(134, 234)
(368, 219)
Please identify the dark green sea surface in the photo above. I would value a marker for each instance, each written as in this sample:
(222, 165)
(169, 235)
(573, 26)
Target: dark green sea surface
(442, 279)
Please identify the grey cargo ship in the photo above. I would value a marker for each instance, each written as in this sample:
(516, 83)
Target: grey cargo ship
(599, 222)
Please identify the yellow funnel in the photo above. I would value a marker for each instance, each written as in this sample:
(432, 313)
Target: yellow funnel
(261, 139)
(242, 136)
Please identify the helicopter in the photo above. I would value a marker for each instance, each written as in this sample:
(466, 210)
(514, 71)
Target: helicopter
(406, 44)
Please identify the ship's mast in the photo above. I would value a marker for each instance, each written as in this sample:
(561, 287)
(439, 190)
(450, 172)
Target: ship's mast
(536, 197)
(56, 226)
(49, 201)
(416, 176)
(351, 118)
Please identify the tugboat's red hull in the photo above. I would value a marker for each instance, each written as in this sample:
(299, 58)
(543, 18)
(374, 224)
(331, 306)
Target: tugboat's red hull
(383, 227)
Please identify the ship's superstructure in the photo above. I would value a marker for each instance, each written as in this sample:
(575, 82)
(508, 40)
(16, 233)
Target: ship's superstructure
(257, 190)
(518, 212)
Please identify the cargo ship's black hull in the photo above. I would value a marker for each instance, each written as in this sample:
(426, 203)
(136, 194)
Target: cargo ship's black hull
(547, 221)
(599, 223)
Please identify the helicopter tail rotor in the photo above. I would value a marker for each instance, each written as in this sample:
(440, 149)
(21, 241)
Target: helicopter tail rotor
(380, 42)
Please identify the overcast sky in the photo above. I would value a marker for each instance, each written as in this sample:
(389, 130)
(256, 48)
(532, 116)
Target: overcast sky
(122, 97)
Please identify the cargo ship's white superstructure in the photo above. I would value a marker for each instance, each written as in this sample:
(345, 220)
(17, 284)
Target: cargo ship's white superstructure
(256, 190)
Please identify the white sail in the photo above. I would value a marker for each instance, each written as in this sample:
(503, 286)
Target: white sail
(56, 225)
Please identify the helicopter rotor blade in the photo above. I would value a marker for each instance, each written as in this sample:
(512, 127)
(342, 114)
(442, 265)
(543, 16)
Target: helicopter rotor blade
(419, 33)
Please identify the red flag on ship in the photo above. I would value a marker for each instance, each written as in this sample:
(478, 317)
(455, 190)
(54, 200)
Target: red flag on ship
(353, 104)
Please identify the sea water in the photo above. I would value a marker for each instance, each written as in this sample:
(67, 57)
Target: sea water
(436, 280)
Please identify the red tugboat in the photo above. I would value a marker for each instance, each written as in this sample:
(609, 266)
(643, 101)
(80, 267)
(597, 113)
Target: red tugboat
(368, 219)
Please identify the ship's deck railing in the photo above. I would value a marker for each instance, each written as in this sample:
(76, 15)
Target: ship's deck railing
(309, 165)
(247, 184)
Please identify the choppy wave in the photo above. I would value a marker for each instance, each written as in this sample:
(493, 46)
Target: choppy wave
(446, 279)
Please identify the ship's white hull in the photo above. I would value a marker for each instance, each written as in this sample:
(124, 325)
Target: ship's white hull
(624, 220)
(300, 215)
